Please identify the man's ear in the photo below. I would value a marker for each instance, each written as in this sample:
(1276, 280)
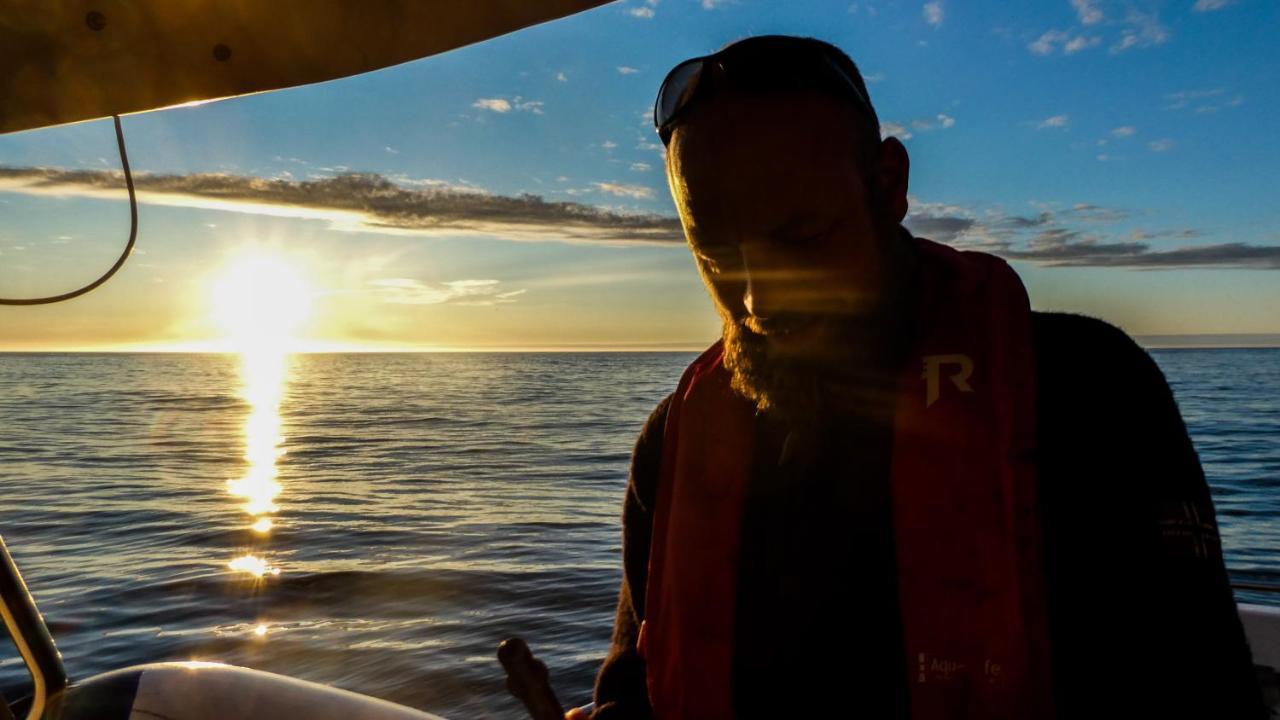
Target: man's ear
(894, 174)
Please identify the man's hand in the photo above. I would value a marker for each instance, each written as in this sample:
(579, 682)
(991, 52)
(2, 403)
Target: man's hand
(528, 680)
(577, 714)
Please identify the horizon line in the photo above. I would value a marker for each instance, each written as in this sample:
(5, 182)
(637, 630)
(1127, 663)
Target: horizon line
(343, 349)
(1203, 341)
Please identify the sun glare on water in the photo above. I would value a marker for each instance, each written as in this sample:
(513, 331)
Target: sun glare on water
(261, 302)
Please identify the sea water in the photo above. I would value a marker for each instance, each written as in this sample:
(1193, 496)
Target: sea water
(380, 522)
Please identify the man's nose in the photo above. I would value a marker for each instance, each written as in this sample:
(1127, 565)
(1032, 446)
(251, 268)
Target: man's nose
(757, 300)
(766, 290)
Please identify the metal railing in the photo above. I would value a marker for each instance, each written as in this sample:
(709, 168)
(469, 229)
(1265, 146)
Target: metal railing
(30, 635)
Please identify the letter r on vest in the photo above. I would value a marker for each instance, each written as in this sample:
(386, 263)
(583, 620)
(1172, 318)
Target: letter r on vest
(933, 369)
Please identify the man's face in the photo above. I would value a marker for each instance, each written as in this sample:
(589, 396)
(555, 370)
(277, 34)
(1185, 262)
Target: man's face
(776, 199)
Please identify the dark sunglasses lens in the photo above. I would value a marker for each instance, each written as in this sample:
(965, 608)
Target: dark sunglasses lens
(675, 91)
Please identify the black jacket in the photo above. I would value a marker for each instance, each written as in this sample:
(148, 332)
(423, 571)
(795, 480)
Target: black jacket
(1143, 623)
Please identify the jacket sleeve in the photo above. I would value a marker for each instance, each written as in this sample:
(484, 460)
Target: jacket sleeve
(621, 692)
(1144, 619)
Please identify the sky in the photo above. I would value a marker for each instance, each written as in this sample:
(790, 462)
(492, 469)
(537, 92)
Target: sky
(511, 194)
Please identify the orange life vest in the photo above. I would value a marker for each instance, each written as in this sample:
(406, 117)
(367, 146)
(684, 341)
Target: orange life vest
(966, 526)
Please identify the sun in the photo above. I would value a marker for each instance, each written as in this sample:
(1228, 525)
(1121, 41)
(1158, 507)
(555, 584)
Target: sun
(261, 301)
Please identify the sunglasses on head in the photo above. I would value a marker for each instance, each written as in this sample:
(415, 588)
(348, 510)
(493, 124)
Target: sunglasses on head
(746, 65)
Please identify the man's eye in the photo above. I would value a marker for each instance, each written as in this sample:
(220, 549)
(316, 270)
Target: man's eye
(812, 235)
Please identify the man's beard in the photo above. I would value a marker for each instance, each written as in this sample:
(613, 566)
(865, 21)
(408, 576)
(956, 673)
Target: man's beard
(842, 376)
(778, 386)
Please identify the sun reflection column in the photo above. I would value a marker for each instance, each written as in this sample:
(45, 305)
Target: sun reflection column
(260, 301)
(263, 375)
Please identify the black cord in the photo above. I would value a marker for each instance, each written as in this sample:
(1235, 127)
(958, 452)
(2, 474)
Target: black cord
(128, 248)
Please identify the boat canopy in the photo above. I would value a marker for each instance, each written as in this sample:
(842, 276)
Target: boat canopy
(64, 61)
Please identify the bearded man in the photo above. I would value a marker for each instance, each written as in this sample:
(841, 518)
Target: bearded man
(892, 490)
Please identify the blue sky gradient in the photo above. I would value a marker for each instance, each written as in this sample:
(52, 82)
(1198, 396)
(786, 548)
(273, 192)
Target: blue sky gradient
(1134, 128)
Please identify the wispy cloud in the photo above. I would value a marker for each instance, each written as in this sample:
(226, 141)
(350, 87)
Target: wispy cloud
(1210, 5)
(645, 11)
(1182, 98)
(498, 105)
(1088, 213)
(627, 70)
(937, 221)
(640, 167)
(932, 13)
(1044, 45)
(713, 4)
(1053, 40)
(503, 105)
(533, 106)
(1088, 11)
(1055, 121)
(1076, 235)
(1124, 131)
(635, 192)
(1202, 100)
(896, 130)
(1080, 42)
(651, 146)
(1143, 30)
(1081, 235)
(1092, 253)
(1161, 145)
(561, 77)
(938, 122)
(1137, 30)
(371, 203)
(408, 291)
